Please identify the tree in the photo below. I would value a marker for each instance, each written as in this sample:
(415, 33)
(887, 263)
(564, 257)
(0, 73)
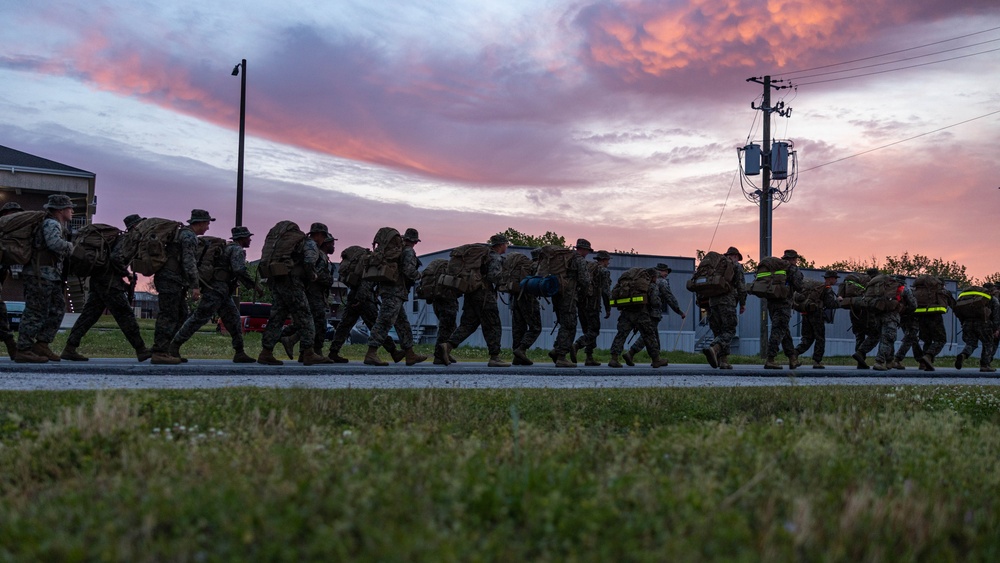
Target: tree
(517, 238)
(749, 265)
(911, 266)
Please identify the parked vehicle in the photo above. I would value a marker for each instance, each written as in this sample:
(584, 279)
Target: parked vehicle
(15, 309)
(253, 317)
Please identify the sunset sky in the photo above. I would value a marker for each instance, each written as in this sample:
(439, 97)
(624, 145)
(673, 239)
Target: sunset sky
(614, 121)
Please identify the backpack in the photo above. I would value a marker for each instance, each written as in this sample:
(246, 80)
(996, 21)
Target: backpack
(712, 277)
(382, 265)
(516, 267)
(973, 304)
(558, 262)
(771, 281)
(92, 249)
(282, 245)
(210, 265)
(352, 265)
(428, 286)
(465, 268)
(145, 246)
(883, 294)
(632, 288)
(852, 290)
(810, 299)
(931, 296)
(17, 236)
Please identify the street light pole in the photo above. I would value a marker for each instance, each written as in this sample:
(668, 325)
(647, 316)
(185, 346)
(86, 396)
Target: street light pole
(243, 117)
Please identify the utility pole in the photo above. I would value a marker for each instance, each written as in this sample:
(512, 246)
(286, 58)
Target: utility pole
(243, 121)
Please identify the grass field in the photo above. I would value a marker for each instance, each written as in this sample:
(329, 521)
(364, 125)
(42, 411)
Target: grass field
(748, 474)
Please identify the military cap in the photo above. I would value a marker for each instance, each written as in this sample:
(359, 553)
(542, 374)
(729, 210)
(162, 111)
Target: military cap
(318, 228)
(790, 255)
(411, 235)
(831, 274)
(584, 244)
(200, 216)
(58, 201)
(602, 255)
(241, 232)
(733, 251)
(498, 239)
(872, 271)
(661, 267)
(132, 220)
(10, 207)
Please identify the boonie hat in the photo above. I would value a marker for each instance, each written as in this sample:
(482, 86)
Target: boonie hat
(498, 239)
(241, 232)
(790, 255)
(831, 274)
(661, 267)
(733, 251)
(58, 201)
(132, 220)
(584, 244)
(602, 255)
(411, 235)
(318, 228)
(11, 207)
(200, 216)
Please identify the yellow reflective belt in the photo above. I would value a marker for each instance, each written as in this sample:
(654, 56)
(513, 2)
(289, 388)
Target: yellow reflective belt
(766, 274)
(931, 310)
(975, 293)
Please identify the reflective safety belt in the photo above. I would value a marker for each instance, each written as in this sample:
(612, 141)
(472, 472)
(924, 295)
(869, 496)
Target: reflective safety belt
(767, 274)
(975, 294)
(941, 310)
(628, 300)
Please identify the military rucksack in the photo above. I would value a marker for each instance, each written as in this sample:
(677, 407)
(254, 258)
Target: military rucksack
(283, 247)
(713, 276)
(973, 304)
(516, 267)
(632, 288)
(931, 296)
(771, 281)
(810, 299)
(18, 232)
(852, 290)
(211, 266)
(92, 249)
(382, 265)
(883, 294)
(465, 268)
(428, 286)
(352, 265)
(558, 262)
(145, 246)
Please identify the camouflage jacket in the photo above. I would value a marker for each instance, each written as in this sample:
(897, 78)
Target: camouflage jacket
(234, 257)
(667, 298)
(738, 295)
(53, 247)
(583, 280)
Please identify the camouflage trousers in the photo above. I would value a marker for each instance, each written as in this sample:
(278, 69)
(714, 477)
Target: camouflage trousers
(525, 321)
(365, 310)
(590, 325)
(911, 337)
(318, 308)
(566, 312)
(933, 333)
(813, 335)
(289, 300)
(859, 325)
(217, 299)
(781, 315)
(173, 310)
(974, 333)
(629, 320)
(103, 296)
(44, 307)
(480, 309)
(722, 319)
(446, 311)
(885, 337)
(391, 314)
(5, 332)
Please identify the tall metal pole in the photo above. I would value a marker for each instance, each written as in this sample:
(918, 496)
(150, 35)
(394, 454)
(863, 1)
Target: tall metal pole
(765, 205)
(239, 165)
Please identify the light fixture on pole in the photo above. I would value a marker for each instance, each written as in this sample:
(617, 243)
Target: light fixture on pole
(243, 117)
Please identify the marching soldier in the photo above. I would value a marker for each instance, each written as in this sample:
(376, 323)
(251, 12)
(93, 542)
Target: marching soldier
(780, 312)
(639, 319)
(480, 308)
(590, 307)
(564, 305)
(666, 298)
(814, 323)
(526, 320)
(722, 317)
(391, 313)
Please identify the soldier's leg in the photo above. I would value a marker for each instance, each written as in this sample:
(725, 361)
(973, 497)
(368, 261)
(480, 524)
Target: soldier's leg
(566, 315)
(387, 313)
(624, 328)
(969, 338)
(933, 334)
(808, 334)
(446, 312)
(779, 327)
(35, 300)
(229, 313)
(518, 324)
(351, 315)
(592, 329)
(55, 314)
(301, 314)
(888, 329)
(647, 333)
(472, 311)
(533, 318)
(279, 313)
(819, 333)
(722, 320)
(319, 310)
(492, 330)
(124, 315)
(989, 346)
(89, 315)
(403, 328)
(207, 306)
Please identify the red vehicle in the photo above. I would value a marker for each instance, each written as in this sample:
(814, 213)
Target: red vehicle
(253, 317)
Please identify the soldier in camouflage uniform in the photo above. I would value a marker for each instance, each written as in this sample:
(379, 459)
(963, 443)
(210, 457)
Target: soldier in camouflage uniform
(361, 304)
(44, 304)
(910, 325)
(289, 295)
(666, 298)
(864, 325)
(317, 290)
(6, 336)
(217, 297)
(590, 307)
(391, 313)
(564, 304)
(932, 332)
(639, 319)
(525, 320)
(780, 312)
(722, 317)
(979, 331)
(814, 322)
(108, 290)
(480, 307)
(888, 328)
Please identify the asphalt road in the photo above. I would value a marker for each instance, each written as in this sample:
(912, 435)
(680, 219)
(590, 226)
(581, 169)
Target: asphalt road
(203, 374)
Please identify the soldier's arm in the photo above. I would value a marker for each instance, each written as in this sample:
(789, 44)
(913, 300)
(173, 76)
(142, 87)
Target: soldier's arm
(670, 299)
(830, 299)
(411, 266)
(740, 285)
(238, 266)
(494, 267)
(52, 234)
(582, 275)
(606, 292)
(189, 257)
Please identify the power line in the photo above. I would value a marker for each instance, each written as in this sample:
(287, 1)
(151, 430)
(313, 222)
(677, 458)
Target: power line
(895, 69)
(890, 52)
(900, 141)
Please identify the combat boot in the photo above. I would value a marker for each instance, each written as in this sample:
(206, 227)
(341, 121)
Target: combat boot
(288, 343)
(162, 358)
(174, 349)
(438, 357)
(554, 356)
(614, 363)
(241, 357)
(987, 369)
(520, 358)
(29, 357)
(818, 365)
(572, 352)
(880, 366)
(372, 359)
(562, 362)
(724, 362)
(42, 349)
(451, 359)
(862, 364)
(659, 362)
(496, 362)
(397, 355)
(267, 358)
(771, 364)
(311, 358)
(336, 357)
(959, 359)
(897, 364)
(793, 361)
(413, 358)
(712, 355)
(143, 354)
(446, 354)
(70, 353)
(590, 361)
(11, 346)
(627, 356)
(927, 362)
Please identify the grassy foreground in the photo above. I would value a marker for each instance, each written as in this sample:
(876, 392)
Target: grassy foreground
(803, 474)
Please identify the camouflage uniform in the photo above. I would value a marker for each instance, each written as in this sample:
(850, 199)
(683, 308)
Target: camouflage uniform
(887, 324)
(217, 297)
(932, 331)
(5, 332)
(318, 296)
(290, 300)
(590, 307)
(976, 332)
(445, 307)
(526, 320)
(640, 320)
(172, 282)
(910, 325)
(393, 296)
(44, 304)
(814, 327)
(564, 305)
(722, 311)
(361, 304)
(666, 298)
(480, 309)
(780, 311)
